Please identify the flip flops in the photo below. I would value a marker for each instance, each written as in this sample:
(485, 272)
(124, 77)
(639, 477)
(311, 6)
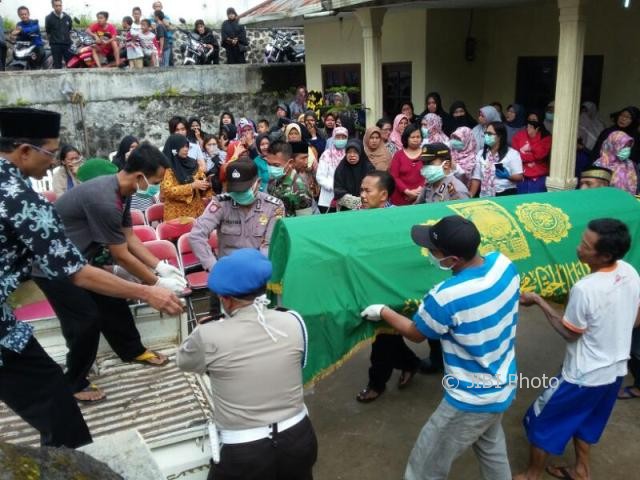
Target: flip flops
(627, 394)
(145, 358)
(91, 388)
(368, 395)
(405, 378)
(562, 475)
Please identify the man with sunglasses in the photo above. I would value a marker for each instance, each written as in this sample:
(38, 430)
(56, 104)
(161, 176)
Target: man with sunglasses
(31, 234)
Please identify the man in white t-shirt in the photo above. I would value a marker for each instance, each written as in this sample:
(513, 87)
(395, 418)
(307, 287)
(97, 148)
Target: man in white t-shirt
(597, 324)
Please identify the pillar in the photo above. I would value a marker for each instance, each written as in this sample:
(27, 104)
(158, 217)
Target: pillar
(370, 20)
(567, 101)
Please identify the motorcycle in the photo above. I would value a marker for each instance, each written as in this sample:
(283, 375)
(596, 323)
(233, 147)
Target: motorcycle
(283, 49)
(194, 51)
(82, 48)
(26, 57)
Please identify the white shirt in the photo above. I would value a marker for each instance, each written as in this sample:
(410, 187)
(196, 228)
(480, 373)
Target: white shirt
(511, 161)
(603, 306)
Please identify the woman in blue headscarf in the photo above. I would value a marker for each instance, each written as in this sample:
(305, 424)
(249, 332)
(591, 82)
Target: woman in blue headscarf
(516, 120)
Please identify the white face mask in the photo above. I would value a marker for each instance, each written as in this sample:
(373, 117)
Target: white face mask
(437, 262)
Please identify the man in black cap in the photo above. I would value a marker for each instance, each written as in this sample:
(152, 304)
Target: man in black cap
(254, 358)
(243, 217)
(441, 185)
(31, 383)
(595, 177)
(474, 314)
(234, 38)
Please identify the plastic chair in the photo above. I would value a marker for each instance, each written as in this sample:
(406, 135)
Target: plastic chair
(164, 250)
(145, 233)
(137, 217)
(173, 229)
(155, 213)
(50, 196)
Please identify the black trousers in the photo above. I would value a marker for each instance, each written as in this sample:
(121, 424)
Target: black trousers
(3, 57)
(389, 351)
(83, 316)
(290, 455)
(34, 387)
(234, 55)
(60, 52)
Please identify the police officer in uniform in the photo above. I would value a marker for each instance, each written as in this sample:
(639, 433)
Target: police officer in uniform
(441, 185)
(244, 217)
(254, 357)
(31, 235)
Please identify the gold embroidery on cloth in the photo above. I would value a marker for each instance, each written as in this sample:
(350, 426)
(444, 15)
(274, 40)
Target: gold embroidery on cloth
(545, 222)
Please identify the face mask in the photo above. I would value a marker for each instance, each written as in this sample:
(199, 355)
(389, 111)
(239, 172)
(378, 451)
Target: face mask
(432, 173)
(244, 198)
(548, 116)
(425, 132)
(624, 153)
(489, 140)
(437, 262)
(148, 192)
(276, 172)
(457, 144)
(340, 144)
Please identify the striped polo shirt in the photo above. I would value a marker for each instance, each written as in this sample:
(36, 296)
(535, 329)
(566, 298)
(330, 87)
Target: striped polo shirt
(474, 314)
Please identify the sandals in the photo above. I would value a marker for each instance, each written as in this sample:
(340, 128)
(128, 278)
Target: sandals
(368, 395)
(627, 393)
(147, 356)
(562, 472)
(90, 388)
(405, 378)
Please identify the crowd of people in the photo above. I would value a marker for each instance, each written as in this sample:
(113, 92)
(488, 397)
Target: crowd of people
(136, 42)
(238, 182)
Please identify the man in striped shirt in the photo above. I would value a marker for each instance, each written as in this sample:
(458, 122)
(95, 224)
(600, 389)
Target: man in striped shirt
(474, 314)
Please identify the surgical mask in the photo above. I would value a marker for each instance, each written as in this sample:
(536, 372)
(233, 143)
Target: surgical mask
(425, 132)
(437, 262)
(624, 153)
(489, 140)
(432, 173)
(456, 144)
(340, 144)
(243, 198)
(148, 192)
(548, 116)
(276, 172)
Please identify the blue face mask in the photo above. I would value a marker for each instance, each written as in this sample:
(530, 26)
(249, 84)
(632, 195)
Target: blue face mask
(432, 173)
(148, 192)
(548, 116)
(340, 144)
(276, 173)
(425, 132)
(456, 144)
(243, 198)
(489, 140)
(624, 153)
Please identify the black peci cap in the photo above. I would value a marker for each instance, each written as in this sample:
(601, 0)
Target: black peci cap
(299, 147)
(29, 123)
(453, 235)
(241, 175)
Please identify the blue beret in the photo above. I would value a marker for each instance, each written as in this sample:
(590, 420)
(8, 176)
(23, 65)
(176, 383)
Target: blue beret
(243, 272)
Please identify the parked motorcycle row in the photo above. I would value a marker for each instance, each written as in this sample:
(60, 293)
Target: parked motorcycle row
(281, 49)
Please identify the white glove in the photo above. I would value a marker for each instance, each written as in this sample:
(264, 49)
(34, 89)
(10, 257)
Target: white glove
(373, 313)
(176, 285)
(166, 270)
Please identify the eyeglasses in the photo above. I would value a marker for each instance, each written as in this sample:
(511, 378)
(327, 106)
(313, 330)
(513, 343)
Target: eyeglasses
(40, 149)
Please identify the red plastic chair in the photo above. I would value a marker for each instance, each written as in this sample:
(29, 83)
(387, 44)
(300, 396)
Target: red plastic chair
(145, 233)
(173, 229)
(164, 250)
(137, 217)
(155, 213)
(50, 196)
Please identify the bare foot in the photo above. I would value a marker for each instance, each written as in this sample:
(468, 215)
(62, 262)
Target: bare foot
(629, 392)
(566, 473)
(523, 476)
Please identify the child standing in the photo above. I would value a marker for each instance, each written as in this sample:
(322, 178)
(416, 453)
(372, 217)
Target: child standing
(148, 42)
(132, 42)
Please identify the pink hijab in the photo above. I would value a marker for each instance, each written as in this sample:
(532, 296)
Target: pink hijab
(396, 136)
(465, 158)
(333, 155)
(624, 173)
(434, 124)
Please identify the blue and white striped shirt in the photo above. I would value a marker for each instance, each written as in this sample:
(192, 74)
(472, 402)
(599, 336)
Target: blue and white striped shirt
(474, 314)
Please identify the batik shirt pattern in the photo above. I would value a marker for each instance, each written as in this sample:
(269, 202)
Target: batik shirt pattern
(31, 235)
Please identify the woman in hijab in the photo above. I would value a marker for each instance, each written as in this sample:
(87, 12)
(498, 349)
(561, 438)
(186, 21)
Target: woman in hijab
(181, 126)
(433, 104)
(349, 174)
(184, 186)
(616, 156)
(590, 125)
(626, 120)
(127, 145)
(399, 124)
(487, 115)
(226, 118)
(516, 120)
(460, 116)
(262, 147)
(463, 154)
(375, 149)
(327, 165)
(295, 133)
(431, 128)
(407, 109)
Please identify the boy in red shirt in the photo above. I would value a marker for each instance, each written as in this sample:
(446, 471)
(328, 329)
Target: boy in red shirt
(106, 41)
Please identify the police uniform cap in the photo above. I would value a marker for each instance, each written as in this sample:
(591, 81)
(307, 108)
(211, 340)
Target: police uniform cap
(243, 272)
(96, 167)
(29, 123)
(431, 151)
(241, 175)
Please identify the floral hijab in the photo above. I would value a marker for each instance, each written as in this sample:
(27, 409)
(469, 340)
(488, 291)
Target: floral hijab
(465, 159)
(624, 173)
(396, 136)
(434, 124)
(333, 155)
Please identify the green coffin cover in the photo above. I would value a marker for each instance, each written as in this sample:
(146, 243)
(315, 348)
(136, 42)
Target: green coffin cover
(329, 267)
